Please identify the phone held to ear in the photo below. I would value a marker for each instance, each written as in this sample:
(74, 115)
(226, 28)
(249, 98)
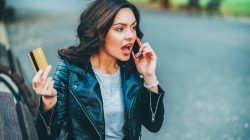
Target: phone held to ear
(136, 47)
(38, 59)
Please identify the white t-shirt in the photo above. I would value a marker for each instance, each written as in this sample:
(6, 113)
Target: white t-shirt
(113, 104)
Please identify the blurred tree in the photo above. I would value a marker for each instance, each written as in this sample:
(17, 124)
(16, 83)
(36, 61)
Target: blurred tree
(213, 5)
(165, 3)
(194, 5)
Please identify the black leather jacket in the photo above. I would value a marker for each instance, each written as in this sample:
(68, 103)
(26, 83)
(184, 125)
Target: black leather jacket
(79, 103)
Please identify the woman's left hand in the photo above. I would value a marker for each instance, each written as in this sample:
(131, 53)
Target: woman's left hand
(146, 64)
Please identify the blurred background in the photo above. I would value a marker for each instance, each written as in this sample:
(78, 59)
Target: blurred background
(203, 49)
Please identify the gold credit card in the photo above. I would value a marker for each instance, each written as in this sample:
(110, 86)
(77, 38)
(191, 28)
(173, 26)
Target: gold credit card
(38, 59)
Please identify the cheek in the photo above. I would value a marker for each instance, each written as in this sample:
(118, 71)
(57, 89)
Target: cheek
(113, 39)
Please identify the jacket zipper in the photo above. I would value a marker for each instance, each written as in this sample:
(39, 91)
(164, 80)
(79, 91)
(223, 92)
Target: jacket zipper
(140, 136)
(130, 112)
(85, 112)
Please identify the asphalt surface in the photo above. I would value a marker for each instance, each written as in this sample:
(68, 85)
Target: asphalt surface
(203, 63)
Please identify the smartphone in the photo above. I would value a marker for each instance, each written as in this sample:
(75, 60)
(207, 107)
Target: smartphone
(136, 47)
(38, 59)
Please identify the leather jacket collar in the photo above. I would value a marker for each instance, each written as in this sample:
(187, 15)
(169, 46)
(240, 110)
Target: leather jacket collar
(85, 66)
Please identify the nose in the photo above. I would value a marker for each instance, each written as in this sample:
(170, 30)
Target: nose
(129, 35)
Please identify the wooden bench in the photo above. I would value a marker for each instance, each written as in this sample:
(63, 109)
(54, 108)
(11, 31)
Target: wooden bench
(16, 121)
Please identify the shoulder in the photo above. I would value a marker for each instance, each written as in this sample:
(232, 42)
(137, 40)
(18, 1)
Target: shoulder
(63, 62)
(79, 67)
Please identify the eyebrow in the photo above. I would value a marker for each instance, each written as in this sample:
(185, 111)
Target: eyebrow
(124, 24)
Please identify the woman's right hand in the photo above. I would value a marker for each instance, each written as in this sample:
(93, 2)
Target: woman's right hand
(43, 86)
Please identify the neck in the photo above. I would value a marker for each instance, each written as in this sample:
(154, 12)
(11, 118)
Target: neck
(104, 62)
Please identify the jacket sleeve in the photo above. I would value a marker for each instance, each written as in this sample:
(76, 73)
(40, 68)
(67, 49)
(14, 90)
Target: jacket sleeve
(49, 123)
(152, 108)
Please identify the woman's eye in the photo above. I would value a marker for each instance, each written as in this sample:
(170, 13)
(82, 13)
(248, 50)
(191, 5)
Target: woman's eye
(119, 29)
(134, 27)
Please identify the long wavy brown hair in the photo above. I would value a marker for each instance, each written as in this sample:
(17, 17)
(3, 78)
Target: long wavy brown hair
(95, 22)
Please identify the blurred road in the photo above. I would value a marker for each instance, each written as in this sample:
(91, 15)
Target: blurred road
(203, 63)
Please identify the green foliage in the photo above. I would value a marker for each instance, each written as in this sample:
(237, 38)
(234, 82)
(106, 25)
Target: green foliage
(236, 7)
(233, 7)
(140, 1)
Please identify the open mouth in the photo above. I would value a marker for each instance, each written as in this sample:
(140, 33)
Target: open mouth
(126, 49)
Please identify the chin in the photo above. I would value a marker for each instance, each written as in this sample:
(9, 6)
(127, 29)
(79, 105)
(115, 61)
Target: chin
(124, 58)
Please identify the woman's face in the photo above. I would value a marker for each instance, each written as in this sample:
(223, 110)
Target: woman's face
(121, 35)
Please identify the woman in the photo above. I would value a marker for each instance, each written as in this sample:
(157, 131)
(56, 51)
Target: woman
(100, 88)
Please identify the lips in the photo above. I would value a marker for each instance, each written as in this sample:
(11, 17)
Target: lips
(126, 50)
